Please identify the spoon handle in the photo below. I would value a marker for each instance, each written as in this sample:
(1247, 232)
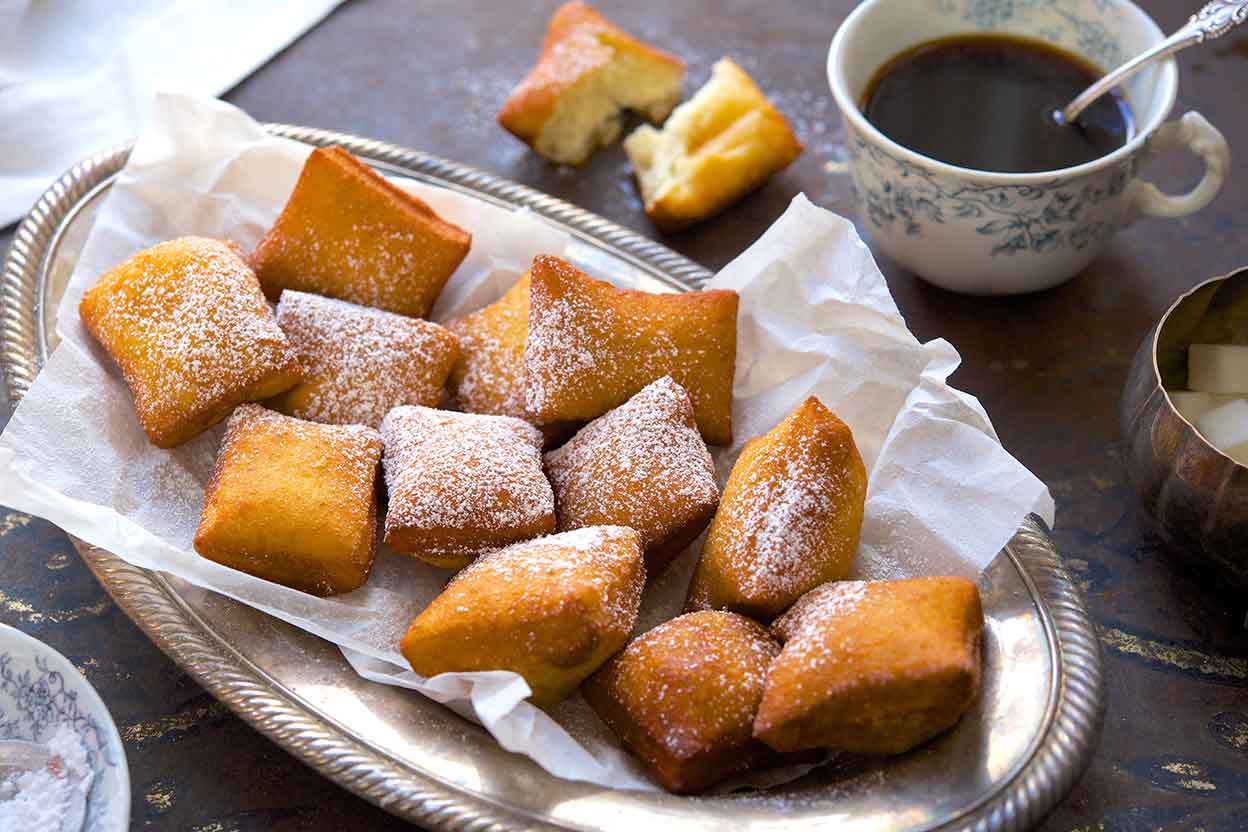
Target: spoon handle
(1213, 20)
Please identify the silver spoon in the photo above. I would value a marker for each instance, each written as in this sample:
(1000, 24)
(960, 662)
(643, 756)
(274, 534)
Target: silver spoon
(1212, 21)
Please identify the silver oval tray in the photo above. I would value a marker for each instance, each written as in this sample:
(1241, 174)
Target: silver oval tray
(1004, 766)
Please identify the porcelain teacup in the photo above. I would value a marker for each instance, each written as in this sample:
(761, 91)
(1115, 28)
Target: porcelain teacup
(981, 232)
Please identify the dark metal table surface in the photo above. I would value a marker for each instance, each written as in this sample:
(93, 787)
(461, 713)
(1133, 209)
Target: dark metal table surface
(1048, 367)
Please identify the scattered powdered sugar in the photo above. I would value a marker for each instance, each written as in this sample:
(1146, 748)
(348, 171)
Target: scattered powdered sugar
(789, 497)
(448, 470)
(591, 345)
(567, 333)
(489, 377)
(189, 326)
(710, 663)
(606, 559)
(45, 796)
(360, 362)
(642, 465)
(816, 608)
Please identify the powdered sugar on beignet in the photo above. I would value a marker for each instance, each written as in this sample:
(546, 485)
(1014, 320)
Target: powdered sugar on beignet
(461, 484)
(359, 362)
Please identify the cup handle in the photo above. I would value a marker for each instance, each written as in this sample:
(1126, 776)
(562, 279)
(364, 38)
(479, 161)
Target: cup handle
(1194, 132)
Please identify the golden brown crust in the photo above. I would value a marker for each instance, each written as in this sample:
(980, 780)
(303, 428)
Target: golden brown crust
(789, 519)
(683, 696)
(488, 376)
(461, 484)
(293, 502)
(551, 610)
(347, 233)
(592, 346)
(716, 148)
(578, 44)
(186, 322)
(642, 465)
(358, 362)
(874, 668)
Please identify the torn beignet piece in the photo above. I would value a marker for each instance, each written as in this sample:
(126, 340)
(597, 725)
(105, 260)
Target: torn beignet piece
(589, 71)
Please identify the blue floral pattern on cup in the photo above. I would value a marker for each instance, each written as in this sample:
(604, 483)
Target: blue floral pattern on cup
(1018, 218)
(1060, 24)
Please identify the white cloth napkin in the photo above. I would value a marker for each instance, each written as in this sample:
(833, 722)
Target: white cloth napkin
(78, 76)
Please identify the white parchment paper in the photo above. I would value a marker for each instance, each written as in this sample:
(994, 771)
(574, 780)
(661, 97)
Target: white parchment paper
(816, 318)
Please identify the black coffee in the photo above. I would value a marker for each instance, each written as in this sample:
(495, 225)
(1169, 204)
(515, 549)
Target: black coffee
(987, 102)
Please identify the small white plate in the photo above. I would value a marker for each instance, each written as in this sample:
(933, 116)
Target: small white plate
(40, 690)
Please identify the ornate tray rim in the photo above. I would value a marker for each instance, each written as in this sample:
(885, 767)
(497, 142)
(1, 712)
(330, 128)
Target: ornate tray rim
(1059, 757)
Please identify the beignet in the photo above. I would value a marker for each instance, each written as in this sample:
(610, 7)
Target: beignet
(349, 234)
(293, 502)
(683, 696)
(461, 484)
(643, 465)
(789, 519)
(488, 376)
(716, 148)
(873, 667)
(551, 609)
(186, 322)
(588, 73)
(358, 362)
(591, 346)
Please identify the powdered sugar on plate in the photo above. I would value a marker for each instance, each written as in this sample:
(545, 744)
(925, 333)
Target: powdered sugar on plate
(48, 797)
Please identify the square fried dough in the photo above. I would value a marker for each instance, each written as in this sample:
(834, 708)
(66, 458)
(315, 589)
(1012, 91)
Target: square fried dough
(591, 346)
(349, 234)
(874, 667)
(683, 696)
(461, 484)
(643, 465)
(293, 502)
(359, 362)
(789, 520)
(552, 610)
(186, 322)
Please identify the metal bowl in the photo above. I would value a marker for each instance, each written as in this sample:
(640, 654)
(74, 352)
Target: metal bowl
(1196, 495)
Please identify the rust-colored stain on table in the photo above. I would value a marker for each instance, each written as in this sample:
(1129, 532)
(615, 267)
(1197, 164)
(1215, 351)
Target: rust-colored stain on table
(1048, 367)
